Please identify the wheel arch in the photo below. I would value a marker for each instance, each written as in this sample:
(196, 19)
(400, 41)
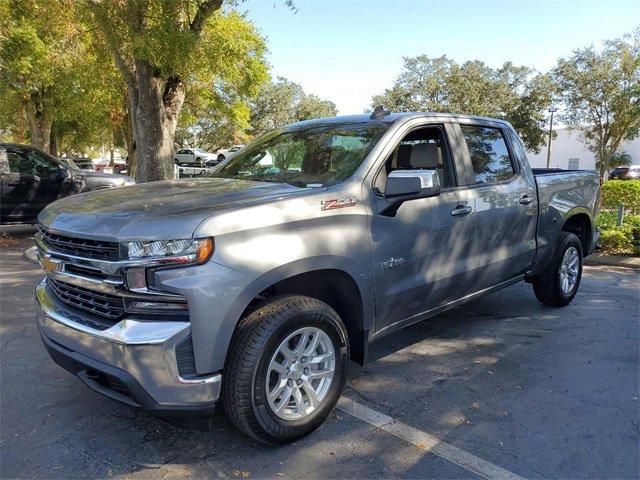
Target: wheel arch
(579, 223)
(333, 284)
(337, 289)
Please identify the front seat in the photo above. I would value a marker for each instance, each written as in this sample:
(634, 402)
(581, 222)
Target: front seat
(427, 155)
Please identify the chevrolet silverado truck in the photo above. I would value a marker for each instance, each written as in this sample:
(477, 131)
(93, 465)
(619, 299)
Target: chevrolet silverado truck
(255, 287)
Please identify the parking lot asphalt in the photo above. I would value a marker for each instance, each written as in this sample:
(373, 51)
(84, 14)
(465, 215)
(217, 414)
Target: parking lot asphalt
(536, 391)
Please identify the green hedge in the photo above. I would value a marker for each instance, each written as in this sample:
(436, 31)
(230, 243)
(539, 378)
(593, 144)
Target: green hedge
(626, 192)
(624, 239)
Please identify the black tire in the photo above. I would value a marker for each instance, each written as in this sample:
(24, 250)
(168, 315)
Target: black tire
(199, 161)
(220, 158)
(547, 285)
(255, 342)
(176, 161)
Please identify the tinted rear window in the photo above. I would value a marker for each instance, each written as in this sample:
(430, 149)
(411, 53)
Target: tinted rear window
(489, 154)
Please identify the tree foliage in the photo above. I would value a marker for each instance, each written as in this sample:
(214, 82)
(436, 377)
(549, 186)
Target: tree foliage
(55, 83)
(172, 51)
(282, 102)
(515, 93)
(601, 91)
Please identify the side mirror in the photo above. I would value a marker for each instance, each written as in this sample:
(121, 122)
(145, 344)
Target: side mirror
(411, 184)
(63, 173)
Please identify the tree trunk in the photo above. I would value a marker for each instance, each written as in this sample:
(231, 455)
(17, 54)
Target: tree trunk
(156, 118)
(40, 121)
(127, 135)
(55, 140)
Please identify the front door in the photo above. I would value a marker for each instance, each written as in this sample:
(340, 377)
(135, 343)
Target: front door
(421, 253)
(34, 181)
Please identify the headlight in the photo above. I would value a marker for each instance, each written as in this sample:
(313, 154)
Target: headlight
(185, 251)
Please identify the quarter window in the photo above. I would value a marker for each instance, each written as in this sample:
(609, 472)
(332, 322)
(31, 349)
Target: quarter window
(489, 154)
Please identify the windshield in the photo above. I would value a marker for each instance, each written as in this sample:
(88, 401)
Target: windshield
(70, 163)
(315, 156)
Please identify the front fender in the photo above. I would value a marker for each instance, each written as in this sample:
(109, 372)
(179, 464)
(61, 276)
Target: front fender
(218, 296)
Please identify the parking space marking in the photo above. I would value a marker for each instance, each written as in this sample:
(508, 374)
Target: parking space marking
(426, 442)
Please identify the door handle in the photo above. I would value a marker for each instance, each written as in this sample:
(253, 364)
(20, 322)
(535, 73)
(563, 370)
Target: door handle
(461, 210)
(526, 200)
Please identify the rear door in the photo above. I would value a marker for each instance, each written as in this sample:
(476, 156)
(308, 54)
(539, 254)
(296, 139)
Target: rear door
(505, 200)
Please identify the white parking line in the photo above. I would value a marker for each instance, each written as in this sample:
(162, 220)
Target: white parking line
(426, 442)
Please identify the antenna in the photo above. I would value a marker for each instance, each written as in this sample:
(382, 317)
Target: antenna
(379, 112)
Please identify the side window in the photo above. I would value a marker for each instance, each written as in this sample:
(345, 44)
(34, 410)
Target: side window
(423, 148)
(4, 162)
(20, 164)
(489, 153)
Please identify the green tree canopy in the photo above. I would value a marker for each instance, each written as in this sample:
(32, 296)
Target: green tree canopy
(172, 51)
(282, 102)
(515, 93)
(601, 93)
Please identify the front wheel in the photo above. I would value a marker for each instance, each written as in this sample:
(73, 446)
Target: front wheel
(559, 283)
(220, 158)
(286, 369)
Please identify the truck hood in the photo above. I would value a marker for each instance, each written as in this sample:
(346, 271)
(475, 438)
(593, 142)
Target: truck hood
(158, 210)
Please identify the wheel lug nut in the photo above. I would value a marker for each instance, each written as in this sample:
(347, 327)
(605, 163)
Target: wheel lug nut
(299, 382)
(290, 383)
(304, 360)
(306, 371)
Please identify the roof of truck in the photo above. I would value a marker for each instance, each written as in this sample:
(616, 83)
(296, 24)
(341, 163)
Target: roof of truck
(391, 117)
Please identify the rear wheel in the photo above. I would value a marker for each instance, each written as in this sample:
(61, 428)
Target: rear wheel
(220, 158)
(286, 369)
(559, 283)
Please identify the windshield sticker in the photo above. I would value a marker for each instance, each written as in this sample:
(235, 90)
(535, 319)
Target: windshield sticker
(338, 203)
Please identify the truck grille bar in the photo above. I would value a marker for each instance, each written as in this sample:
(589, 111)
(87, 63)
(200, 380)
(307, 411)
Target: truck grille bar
(98, 303)
(80, 246)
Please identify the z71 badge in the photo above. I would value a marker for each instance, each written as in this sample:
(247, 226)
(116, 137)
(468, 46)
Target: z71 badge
(338, 203)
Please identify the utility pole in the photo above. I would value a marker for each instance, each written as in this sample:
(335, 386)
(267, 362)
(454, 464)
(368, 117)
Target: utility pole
(552, 109)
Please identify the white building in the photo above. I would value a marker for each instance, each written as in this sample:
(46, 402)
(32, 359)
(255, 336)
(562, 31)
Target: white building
(568, 151)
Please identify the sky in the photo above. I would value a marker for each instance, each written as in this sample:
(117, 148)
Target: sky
(347, 51)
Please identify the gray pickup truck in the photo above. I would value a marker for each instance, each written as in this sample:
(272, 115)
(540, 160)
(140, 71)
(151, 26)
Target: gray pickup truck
(255, 287)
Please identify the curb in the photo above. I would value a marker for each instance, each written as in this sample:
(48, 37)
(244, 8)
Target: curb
(30, 255)
(613, 261)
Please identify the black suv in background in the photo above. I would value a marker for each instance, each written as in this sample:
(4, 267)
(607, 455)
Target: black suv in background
(30, 179)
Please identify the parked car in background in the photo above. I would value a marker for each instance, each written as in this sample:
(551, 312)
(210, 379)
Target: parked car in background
(119, 166)
(31, 179)
(630, 172)
(191, 156)
(84, 163)
(255, 288)
(225, 153)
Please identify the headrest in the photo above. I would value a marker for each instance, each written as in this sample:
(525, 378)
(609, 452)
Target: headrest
(424, 155)
(404, 157)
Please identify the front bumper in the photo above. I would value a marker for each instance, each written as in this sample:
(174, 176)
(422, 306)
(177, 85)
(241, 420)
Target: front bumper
(134, 362)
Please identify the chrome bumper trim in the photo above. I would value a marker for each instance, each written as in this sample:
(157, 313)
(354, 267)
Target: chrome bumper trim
(130, 331)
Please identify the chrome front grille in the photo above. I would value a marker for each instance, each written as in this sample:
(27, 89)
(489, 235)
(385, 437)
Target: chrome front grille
(80, 246)
(101, 304)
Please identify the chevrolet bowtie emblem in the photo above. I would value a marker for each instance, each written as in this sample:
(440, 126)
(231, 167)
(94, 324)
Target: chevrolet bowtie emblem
(49, 265)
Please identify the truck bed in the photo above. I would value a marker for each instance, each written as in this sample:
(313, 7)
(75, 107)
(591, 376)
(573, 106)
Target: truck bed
(561, 194)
